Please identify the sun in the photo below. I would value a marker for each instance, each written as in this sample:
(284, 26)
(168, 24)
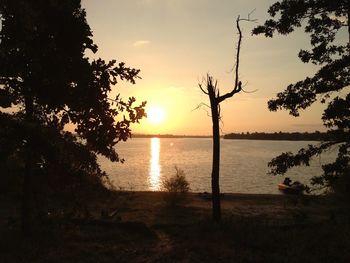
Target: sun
(155, 115)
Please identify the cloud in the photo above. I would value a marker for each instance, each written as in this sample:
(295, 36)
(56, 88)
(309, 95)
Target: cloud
(140, 43)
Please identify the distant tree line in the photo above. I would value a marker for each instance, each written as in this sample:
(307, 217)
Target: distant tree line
(282, 136)
(168, 136)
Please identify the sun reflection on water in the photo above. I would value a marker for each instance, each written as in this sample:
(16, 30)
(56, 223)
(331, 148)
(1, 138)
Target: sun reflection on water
(154, 172)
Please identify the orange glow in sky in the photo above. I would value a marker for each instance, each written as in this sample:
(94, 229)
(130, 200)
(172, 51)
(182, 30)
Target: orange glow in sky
(176, 43)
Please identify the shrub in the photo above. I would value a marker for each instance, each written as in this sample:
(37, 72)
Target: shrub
(176, 186)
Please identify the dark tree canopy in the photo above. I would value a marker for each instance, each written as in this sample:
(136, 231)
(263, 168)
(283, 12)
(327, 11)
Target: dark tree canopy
(327, 23)
(42, 65)
(47, 82)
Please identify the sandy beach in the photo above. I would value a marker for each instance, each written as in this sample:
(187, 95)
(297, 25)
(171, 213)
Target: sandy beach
(152, 208)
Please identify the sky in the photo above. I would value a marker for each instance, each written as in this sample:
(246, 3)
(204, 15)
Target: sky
(175, 43)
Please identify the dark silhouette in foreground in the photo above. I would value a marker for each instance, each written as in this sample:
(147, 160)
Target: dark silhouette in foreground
(47, 83)
(326, 22)
(255, 228)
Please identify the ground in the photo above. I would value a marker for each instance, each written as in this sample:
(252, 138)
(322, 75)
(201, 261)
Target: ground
(143, 227)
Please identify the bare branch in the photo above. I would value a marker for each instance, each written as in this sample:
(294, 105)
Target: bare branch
(201, 105)
(250, 14)
(250, 91)
(208, 114)
(248, 17)
(238, 51)
(203, 90)
(238, 84)
(230, 94)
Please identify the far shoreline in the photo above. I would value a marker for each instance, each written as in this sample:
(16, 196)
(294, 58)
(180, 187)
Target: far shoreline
(224, 195)
(257, 136)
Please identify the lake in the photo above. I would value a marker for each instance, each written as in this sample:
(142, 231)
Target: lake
(243, 164)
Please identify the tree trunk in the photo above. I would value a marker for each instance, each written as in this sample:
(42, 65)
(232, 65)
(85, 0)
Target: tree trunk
(214, 96)
(27, 180)
(216, 159)
(349, 21)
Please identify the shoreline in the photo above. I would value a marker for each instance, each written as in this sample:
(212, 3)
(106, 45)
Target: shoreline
(130, 226)
(145, 203)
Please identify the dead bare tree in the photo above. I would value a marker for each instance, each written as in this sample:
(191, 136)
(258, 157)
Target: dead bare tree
(215, 98)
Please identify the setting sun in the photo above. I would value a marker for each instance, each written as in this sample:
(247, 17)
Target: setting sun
(155, 115)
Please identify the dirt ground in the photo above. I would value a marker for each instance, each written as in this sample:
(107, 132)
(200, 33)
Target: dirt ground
(143, 227)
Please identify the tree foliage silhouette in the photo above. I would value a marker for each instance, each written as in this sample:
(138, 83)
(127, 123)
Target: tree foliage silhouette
(47, 82)
(215, 99)
(327, 22)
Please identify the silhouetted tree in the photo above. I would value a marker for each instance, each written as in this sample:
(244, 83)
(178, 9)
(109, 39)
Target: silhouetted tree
(327, 22)
(215, 99)
(47, 82)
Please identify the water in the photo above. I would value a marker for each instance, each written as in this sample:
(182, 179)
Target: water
(243, 164)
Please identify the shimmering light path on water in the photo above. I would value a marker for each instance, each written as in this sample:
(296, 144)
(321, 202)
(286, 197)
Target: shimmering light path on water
(243, 167)
(154, 169)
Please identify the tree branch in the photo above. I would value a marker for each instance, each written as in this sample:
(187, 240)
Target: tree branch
(238, 84)
(203, 90)
(230, 94)
(200, 105)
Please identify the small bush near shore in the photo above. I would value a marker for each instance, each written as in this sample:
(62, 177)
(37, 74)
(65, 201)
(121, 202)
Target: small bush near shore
(177, 186)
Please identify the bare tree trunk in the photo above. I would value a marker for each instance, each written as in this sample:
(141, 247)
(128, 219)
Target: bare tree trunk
(216, 162)
(215, 99)
(27, 180)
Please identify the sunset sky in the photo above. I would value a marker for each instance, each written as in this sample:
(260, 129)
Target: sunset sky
(176, 43)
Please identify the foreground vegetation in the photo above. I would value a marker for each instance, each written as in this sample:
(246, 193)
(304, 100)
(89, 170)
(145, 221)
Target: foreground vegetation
(142, 227)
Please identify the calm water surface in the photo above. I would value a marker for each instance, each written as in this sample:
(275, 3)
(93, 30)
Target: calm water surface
(243, 164)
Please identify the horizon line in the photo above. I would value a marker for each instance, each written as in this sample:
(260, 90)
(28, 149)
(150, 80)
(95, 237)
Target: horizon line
(208, 135)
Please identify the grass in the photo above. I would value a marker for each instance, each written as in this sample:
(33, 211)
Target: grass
(251, 241)
(256, 228)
